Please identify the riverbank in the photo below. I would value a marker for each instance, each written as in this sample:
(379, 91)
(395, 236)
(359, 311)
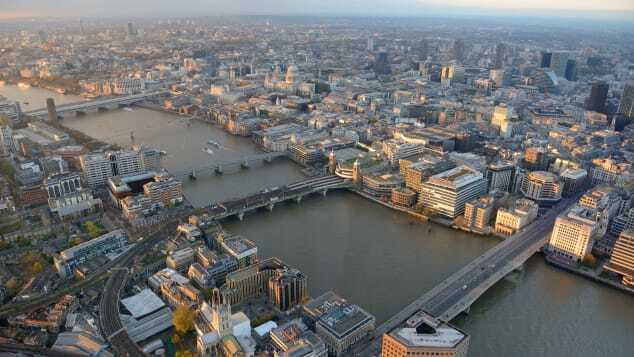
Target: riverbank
(409, 211)
(588, 274)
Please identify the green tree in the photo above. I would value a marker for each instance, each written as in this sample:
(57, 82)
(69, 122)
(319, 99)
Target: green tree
(92, 229)
(183, 320)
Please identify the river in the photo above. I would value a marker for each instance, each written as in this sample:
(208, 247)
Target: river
(381, 259)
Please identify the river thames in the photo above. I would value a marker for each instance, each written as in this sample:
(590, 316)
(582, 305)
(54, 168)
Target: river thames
(376, 257)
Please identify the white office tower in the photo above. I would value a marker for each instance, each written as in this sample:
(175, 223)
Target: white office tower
(573, 234)
(446, 193)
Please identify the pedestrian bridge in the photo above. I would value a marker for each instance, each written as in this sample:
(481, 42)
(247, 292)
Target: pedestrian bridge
(97, 104)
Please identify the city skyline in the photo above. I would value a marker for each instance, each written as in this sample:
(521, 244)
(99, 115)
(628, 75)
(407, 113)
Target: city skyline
(610, 9)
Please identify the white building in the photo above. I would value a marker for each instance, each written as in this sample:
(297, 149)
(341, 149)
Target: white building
(509, 221)
(446, 193)
(573, 234)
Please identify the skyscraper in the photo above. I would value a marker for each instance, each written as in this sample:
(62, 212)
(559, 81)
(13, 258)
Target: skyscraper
(626, 106)
(598, 96)
(571, 70)
(501, 51)
(382, 63)
(370, 43)
(546, 58)
(131, 30)
(458, 50)
(558, 63)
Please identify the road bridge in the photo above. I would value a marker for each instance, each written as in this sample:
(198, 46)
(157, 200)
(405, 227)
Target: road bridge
(459, 291)
(97, 104)
(221, 167)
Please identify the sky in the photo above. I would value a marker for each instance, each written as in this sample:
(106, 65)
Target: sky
(73, 8)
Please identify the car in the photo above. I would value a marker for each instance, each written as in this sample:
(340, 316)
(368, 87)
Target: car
(464, 287)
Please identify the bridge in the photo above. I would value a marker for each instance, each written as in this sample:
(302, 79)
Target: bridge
(98, 104)
(268, 198)
(459, 291)
(234, 164)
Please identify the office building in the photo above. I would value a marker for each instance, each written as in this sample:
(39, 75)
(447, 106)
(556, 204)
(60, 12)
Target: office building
(340, 324)
(510, 221)
(99, 167)
(67, 197)
(67, 260)
(499, 176)
(573, 234)
(573, 180)
(622, 259)
(598, 96)
(610, 172)
(571, 70)
(478, 212)
(244, 251)
(287, 288)
(626, 106)
(7, 145)
(382, 63)
(294, 339)
(180, 260)
(423, 335)
(542, 187)
(250, 282)
(546, 59)
(446, 193)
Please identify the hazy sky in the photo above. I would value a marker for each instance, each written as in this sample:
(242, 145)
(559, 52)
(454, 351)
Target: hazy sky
(22, 8)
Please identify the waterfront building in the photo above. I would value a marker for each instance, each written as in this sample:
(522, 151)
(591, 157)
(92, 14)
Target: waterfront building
(294, 339)
(287, 289)
(244, 251)
(417, 170)
(573, 234)
(99, 167)
(403, 196)
(381, 184)
(446, 193)
(67, 260)
(499, 176)
(67, 197)
(180, 260)
(423, 335)
(340, 324)
(150, 157)
(510, 221)
(541, 186)
(478, 212)
(622, 259)
(164, 190)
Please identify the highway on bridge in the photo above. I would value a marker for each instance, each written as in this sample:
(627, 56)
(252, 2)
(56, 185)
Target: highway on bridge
(456, 293)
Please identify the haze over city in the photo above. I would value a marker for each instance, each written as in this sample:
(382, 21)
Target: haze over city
(316, 178)
(621, 9)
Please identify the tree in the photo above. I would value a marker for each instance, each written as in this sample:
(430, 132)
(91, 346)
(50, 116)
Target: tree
(92, 228)
(184, 353)
(183, 320)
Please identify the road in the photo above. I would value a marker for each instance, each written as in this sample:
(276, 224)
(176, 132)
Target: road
(456, 293)
(98, 276)
(35, 350)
